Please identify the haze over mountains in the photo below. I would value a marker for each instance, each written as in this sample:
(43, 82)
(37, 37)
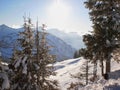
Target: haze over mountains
(71, 38)
(64, 44)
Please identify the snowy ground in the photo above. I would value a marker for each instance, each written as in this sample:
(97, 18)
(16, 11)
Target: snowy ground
(65, 68)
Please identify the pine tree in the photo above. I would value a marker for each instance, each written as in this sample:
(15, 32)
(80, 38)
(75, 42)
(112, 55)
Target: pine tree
(87, 55)
(32, 63)
(76, 54)
(105, 16)
(44, 62)
(91, 54)
(22, 76)
(84, 74)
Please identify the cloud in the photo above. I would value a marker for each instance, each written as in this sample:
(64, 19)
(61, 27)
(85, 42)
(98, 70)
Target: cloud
(15, 26)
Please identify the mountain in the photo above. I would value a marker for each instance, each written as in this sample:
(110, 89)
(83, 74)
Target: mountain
(9, 35)
(7, 39)
(71, 38)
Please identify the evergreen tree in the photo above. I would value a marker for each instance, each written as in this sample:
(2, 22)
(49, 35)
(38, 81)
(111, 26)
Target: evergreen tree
(84, 74)
(87, 55)
(22, 77)
(44, 62)
(105, 16)
(32, 63)
(76, 54)
(91, 54)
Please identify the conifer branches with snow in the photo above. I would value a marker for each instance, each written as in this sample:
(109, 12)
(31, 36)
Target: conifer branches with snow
(105, 16)
(4, 78)
(32, 64)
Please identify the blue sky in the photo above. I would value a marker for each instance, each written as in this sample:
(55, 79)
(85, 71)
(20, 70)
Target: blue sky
(66, 15)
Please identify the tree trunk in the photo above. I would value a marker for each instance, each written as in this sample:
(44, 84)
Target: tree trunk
(86, 72)
(108, 66)
(102, 68)
(95, 70)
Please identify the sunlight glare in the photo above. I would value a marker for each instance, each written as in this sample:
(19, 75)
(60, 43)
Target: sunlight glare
(58, 12)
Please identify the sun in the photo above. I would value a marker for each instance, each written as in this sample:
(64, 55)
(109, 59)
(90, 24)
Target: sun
(58, 12)
(58, 9)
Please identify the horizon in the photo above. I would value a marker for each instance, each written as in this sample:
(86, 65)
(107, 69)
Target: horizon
(48, 29)
(67, 16)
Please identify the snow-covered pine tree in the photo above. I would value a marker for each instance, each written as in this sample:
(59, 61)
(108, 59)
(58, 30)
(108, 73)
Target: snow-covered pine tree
(105, 15)
(44, 62)
(22, 77)
(31, 67)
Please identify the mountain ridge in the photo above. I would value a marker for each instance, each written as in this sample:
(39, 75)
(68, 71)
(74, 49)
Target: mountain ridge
(62, 50)
(71, 38)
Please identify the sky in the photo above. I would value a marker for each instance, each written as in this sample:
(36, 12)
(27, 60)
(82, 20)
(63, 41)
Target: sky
(65, 15)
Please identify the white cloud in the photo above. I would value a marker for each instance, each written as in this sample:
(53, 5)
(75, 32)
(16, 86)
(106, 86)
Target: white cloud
(15, 26)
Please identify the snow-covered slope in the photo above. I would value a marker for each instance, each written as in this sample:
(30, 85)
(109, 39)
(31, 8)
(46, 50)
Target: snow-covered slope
(64, 70)
(60, 48)
(70, 67)
(71, 38)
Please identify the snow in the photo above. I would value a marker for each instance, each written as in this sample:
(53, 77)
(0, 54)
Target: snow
(108, 43)
(104, 85)
(65, 68)
(36, 66)
(5, 84)
(24, 65)
(25, 69)
(17, 64)
(23, 62)
(24, 59)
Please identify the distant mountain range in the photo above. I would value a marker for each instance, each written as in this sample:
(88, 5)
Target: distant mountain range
(71, 38)
(9, 35)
